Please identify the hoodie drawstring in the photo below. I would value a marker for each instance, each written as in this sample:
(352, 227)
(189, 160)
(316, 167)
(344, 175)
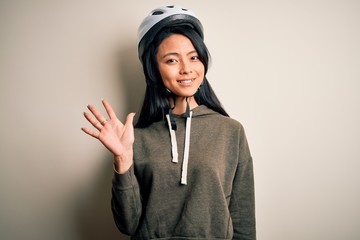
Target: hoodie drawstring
(174, 150)
(186, 150)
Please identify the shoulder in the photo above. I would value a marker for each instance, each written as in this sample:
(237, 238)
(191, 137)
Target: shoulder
(206, 115)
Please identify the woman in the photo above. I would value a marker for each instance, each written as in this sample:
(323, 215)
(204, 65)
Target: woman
(185, 171)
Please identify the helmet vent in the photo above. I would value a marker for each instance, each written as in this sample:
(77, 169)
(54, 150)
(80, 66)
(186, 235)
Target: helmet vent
(172, 6)
(184, 9)
(157, 12)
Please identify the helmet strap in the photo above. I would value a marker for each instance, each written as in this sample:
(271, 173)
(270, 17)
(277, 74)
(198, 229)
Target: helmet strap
(172, 118)
(187, 112)
(171, 115)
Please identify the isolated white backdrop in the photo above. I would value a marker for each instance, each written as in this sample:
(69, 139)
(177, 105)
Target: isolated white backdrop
(288, 70)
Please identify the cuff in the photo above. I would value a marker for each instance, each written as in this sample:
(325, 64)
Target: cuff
(125, 180)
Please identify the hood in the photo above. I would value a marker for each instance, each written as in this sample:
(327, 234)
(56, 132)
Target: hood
(199, 111)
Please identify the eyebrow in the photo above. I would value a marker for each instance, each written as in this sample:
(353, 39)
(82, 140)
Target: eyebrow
(175, 53)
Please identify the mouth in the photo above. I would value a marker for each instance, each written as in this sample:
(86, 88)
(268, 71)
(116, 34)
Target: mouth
(186, 81)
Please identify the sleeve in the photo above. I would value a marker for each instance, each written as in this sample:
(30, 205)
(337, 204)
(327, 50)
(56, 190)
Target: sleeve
(126, 203)
(242, 202)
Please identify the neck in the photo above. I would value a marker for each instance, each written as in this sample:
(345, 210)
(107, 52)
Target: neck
(180, 106)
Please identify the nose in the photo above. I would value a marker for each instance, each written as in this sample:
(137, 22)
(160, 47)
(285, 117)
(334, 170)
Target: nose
(185, 68)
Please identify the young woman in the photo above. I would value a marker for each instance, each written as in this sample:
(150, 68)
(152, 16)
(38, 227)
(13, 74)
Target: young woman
(185, 171)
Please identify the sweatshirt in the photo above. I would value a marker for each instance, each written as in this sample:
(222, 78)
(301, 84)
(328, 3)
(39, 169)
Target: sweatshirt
(152, 200)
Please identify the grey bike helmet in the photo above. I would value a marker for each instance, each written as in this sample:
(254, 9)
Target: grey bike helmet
(162, 17)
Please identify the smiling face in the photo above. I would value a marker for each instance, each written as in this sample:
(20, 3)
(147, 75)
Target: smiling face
(180, 68)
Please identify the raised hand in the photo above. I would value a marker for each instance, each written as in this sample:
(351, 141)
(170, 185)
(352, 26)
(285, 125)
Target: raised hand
(113, 134)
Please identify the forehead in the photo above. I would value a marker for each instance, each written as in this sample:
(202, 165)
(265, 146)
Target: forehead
(176, 43)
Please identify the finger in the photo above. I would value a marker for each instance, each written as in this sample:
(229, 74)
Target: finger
(93, 122)
(97, 114)
(91, 133)
(109, 109)
(130, 119)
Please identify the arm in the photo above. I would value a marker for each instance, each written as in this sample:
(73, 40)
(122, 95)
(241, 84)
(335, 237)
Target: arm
(118, 138)
(242, 202)
(126, 201)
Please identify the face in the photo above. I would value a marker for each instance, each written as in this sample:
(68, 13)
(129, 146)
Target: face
(180, 68)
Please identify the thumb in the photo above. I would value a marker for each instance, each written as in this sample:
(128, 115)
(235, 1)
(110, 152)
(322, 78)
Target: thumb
(130, 119)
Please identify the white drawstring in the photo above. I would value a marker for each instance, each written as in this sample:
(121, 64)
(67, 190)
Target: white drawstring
(186, 150)
(174, 150)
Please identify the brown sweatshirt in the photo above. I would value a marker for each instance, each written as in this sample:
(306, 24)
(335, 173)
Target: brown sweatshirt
(217, 201)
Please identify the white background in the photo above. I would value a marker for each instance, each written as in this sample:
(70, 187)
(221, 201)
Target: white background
(288, 70)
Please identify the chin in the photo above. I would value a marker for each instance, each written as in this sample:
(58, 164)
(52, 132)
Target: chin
(188, 94)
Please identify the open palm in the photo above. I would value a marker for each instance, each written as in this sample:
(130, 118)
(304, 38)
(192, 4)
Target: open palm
(112, 133)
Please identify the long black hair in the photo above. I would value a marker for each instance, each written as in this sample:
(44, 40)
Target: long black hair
(156, 104)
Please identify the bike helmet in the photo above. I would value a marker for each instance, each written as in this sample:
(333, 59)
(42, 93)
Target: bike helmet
(162, 17)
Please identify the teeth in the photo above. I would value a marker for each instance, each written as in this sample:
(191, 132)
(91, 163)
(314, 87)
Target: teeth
(186, 81)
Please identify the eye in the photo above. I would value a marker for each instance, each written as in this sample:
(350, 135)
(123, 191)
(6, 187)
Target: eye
(194, 58)
(171, 61)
